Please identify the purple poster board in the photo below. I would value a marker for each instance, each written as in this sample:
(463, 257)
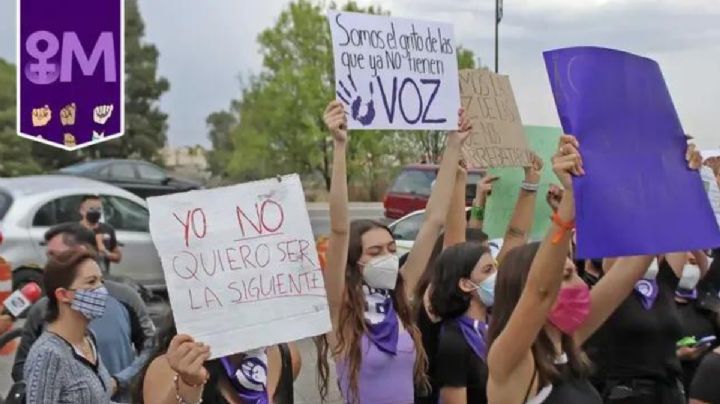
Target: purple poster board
(638, 196)
(70, 74)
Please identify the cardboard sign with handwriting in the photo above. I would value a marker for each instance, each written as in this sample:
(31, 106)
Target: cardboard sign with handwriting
(240, 264)
(498, 138)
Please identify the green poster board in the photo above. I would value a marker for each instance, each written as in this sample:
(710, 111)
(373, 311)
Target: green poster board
(543, 140)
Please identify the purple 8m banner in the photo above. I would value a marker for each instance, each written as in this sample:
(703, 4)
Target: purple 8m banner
(70, 78)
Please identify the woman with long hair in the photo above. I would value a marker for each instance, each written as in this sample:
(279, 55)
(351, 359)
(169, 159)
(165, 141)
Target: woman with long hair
(375, 342)
(459, 230)
(63, 365)
(463, 291)
(544, 312)
(179, 372)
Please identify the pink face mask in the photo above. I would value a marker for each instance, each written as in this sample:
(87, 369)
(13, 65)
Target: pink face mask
(571, 308)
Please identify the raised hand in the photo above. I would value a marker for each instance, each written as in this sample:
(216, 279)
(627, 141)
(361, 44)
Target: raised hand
(41, 116)
(102, 113)
(693, 157)
(186, 357)
(554, 196)
(336, 121)
(567, 161)
(464, 128)
(534, 171)
(484, 187)
(67, 115)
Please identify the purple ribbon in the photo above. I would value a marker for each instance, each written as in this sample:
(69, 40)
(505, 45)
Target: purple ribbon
(474, 332)
(689, 294)
(249, 379)
(385, 333)
(648, 291)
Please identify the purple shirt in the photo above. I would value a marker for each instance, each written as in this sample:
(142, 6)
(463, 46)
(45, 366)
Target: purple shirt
(383, 378)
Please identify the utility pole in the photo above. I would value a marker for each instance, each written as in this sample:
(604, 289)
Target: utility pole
(498, 18)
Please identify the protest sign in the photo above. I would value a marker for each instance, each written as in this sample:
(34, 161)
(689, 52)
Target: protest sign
(70, 78)
(638, 196)
(498, 137)
(240, 264)
(393, 73)
(543, 141)
(711, 187)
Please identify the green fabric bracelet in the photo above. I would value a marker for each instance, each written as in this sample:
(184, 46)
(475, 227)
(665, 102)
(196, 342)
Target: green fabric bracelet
(477, 213)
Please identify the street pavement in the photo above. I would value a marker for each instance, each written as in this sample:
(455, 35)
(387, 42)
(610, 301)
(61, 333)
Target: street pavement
(306, 391)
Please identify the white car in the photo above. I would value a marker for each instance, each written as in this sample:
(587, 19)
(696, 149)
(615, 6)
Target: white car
(29, 206)
(405, 231)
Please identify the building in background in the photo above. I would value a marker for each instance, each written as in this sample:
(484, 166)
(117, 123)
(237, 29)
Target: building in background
(187, 161)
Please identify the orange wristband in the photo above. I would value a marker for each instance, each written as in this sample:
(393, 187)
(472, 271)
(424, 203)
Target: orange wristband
(564, 227)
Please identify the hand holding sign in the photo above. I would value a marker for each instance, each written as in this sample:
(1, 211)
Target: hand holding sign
(533, 172)
(336, 121)
(567, 161)
(187, 357)
(460, 135)
(693, 157)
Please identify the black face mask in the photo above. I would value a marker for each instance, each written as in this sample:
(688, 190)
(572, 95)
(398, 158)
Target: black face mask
(93, 216)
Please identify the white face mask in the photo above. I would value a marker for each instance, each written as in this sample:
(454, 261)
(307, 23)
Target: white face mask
(382, 272)
(690, 277)
(652, 271)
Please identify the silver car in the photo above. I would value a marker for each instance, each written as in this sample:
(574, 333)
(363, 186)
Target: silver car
(30, 205)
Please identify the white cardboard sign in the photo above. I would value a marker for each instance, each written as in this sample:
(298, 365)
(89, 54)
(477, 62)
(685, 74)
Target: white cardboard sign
(240, 264)
(394, 73)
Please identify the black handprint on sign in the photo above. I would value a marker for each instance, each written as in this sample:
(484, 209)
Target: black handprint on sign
(357, 102)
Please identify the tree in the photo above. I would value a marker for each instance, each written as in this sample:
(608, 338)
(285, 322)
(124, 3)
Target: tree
(15, 151)
(221, 125)
(279, 124)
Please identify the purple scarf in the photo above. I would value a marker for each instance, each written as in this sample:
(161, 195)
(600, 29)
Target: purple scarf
(647, 290)
(249, 379)
(382, 323)
(385, 333)
(475, 332)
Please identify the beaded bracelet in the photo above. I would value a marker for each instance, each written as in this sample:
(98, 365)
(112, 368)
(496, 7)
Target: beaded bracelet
(180, 400)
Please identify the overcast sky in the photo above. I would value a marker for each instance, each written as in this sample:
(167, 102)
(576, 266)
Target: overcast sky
(205, 47)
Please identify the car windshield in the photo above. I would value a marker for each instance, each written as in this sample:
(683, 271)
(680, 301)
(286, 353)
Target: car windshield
(413, 181)
(474, 178)
(82, 167)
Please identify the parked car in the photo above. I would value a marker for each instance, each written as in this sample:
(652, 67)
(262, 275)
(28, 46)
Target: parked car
(30, 205)
(405, 232)
(139, 177)
(411, 189)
